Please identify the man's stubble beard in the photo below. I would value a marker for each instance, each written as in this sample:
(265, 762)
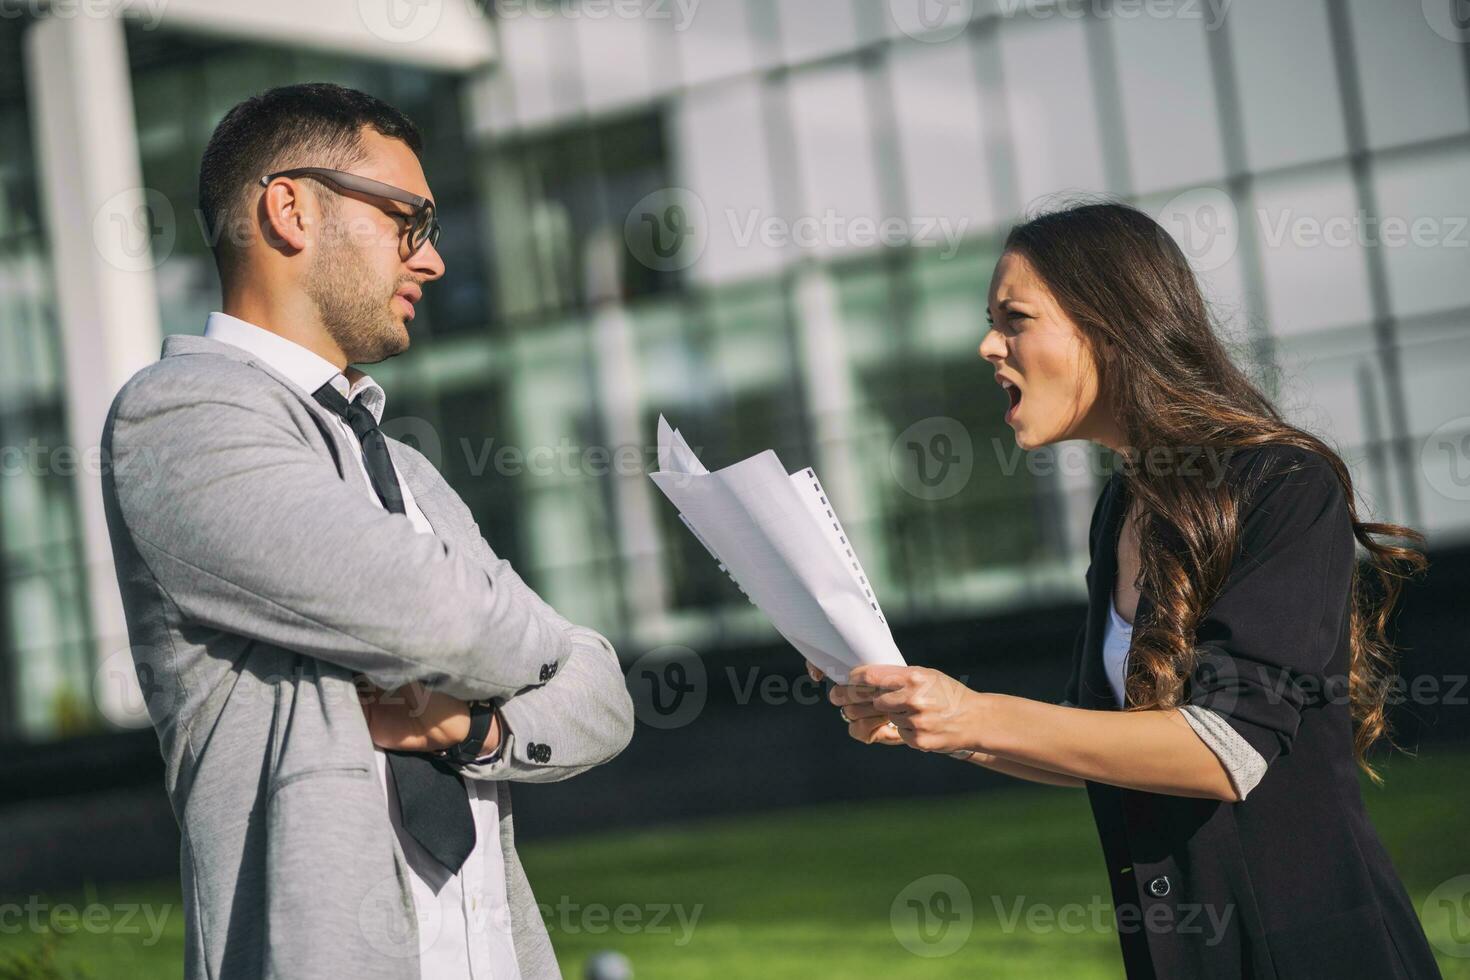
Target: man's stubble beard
(354, 305)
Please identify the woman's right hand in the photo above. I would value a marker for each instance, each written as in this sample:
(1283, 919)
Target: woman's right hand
(871, 728)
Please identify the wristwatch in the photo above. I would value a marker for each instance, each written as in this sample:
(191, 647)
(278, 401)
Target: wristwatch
(468, 752)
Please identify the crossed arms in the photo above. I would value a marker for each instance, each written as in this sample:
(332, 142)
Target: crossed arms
(246, 530)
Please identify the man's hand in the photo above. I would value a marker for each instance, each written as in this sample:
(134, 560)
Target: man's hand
(416, 719)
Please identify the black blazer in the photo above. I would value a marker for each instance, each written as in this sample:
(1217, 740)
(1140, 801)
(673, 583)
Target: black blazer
(1292, 881)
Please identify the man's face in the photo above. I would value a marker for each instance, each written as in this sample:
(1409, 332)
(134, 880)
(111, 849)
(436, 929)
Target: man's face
(363, 285)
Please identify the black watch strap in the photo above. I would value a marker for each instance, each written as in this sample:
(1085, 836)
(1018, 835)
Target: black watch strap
(482, 714)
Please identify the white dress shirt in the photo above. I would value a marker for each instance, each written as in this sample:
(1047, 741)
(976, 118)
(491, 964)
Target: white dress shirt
(464, 918)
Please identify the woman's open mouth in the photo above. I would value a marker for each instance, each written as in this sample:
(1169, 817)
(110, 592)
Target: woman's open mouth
(1015, 395)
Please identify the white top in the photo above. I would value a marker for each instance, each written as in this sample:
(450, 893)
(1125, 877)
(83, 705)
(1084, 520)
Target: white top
(464, 919)
(1117, 638)
(1242, 763)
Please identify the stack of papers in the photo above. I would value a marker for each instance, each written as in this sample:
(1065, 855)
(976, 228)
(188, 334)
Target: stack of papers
(776, 536)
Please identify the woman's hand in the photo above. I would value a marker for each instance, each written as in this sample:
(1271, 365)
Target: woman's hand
(927, 709)
(872, 729)
(416, 719)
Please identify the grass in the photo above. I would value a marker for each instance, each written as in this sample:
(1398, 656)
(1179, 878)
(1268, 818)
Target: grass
(826, 891)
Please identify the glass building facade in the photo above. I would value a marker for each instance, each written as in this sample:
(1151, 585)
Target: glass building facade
(775, 223)
(46, 656)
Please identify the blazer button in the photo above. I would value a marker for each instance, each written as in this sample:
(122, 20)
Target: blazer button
(1159, 887)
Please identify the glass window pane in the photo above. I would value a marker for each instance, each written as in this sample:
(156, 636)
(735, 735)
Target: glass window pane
(618, 56)
(45, 661)
(1053, 123)
(814, 29)
(1308, 234)
(535, 53)
(716, 43)
(1285, 47)
(1425, 242)
(720, 139)
(831, 120)
(1168, 101)
(1435, 356)
(1413, 80)
(944, 167)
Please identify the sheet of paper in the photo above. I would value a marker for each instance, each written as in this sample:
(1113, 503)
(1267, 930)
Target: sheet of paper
(776, 535)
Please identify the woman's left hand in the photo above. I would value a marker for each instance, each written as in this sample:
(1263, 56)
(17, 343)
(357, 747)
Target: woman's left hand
(930, 710)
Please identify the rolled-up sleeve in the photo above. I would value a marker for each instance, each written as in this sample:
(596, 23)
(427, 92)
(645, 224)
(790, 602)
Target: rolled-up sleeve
(1271, 632)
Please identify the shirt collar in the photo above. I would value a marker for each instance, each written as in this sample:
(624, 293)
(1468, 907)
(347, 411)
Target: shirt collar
(305, 369)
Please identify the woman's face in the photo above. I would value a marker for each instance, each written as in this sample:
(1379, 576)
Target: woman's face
(1039, 353)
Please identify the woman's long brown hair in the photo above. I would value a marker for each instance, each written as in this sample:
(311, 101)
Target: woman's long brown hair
(1174, 389)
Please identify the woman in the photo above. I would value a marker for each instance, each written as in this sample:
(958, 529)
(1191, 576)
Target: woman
(1228, 619)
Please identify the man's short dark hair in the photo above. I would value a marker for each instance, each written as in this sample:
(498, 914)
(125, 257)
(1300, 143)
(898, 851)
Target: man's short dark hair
(312, 125)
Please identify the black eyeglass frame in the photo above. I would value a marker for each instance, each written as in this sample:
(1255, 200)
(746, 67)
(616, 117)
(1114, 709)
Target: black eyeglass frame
(424, 221)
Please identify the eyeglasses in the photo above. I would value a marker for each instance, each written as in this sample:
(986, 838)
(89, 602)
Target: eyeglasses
(423, 223)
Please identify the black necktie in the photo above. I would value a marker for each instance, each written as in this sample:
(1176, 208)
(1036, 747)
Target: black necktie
(432, 798)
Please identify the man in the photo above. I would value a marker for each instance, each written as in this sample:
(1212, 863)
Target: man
(281, 561)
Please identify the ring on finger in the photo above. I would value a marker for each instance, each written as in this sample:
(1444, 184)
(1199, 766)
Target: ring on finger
(843, 712)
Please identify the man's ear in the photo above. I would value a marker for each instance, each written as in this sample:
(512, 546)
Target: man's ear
(286, 214)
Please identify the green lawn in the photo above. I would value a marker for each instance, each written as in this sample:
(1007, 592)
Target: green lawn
(832, 890)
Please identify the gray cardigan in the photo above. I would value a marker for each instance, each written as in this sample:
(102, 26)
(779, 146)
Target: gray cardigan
(257, 582)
